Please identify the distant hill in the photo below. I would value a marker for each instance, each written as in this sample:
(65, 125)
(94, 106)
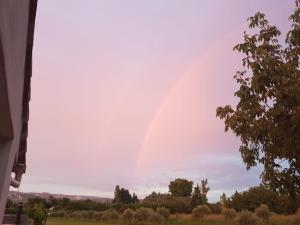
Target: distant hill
(13, 195)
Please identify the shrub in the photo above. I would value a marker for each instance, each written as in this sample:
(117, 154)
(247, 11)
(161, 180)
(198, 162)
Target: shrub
(128, 216)
(296, 220)
(263, 213)
(200, 211)
(143, 214)
(246, 218)
(38, 214)
(229, 214)
(164, 212)
(78, 214)
(110, 214)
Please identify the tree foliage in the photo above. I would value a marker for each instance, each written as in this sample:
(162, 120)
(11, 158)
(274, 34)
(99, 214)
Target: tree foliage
(267, 116)
(38, 213)
(181, 187)
(255, 196)
(123, 196)
(199, 195)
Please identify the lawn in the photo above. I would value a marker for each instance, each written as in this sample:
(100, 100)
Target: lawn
(179, 220)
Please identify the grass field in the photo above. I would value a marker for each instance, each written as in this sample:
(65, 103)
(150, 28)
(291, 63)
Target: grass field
(175, 220)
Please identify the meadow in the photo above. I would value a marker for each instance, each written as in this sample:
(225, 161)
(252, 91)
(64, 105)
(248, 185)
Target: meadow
(182, 219)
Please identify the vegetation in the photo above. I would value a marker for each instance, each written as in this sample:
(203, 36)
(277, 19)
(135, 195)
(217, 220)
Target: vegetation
(164, 212)
(200, 211)
(181, 188)
(129, 216)
(263, 213)
(38, 214)
(229, 214)
(174, 220)
(123, 196)
(173, 203)
(246, 218)
(254, 197)
(266, 117)
(199, 195)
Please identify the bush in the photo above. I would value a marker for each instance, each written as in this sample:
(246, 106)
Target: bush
(143, 214)
(246, 218)
(38, 214)
(296, 220)
(200, 211)
(229, 214)
(128, 216)
(164, 212)
(263, 213)
(110, 214)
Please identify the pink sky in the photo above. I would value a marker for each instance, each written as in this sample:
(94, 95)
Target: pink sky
(125, 92)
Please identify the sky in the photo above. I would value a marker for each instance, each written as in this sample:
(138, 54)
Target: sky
(125, 92)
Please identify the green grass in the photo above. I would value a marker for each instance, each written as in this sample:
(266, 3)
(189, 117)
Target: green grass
(173, 221)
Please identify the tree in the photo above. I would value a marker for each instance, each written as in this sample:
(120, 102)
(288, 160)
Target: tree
(123, 196)
(204, 190)
(267, 116)
(117, 193)
(181, 187)
(135, 198)
(199, 195)
(224, 200)
(196, 197)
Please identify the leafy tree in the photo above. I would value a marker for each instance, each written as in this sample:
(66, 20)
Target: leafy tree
(196, 197)
(199, 196)
(267, 116)
(204, 190)
(255, 196)
(181, 187)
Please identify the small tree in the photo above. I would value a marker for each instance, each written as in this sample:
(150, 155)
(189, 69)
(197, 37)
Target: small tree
(263, 213)
(200, 211)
